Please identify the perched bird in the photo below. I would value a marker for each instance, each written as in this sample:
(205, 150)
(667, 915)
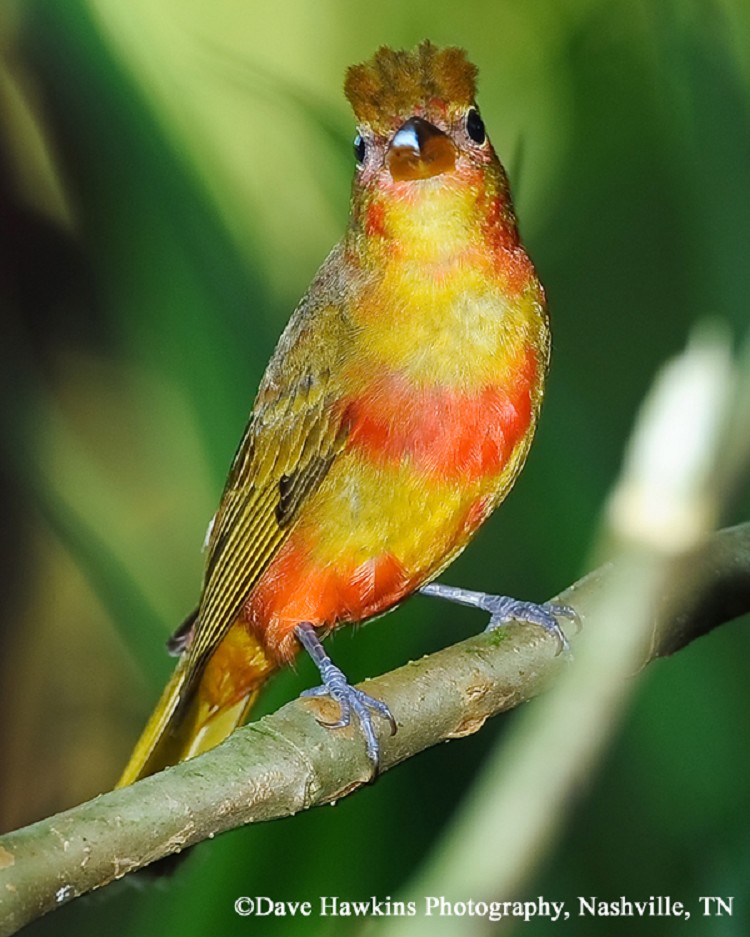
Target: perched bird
(394, 416)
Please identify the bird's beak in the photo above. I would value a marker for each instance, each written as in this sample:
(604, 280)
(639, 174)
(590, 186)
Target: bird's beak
(419, 150)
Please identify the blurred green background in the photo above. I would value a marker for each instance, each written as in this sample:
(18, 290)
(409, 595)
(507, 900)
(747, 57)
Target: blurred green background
(172, 172)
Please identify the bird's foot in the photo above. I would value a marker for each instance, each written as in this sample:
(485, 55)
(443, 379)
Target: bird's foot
(350, 699)
(504, 609)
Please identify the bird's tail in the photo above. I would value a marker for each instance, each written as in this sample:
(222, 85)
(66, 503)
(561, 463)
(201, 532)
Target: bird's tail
(195, 714)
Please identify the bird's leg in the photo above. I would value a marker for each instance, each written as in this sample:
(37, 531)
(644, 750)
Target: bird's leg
(504, 609)
(348, 697)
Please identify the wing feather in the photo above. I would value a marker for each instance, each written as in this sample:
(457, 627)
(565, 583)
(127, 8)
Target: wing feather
(293, 436)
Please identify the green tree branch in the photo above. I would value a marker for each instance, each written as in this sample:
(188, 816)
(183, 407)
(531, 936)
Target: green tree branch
(287, 762)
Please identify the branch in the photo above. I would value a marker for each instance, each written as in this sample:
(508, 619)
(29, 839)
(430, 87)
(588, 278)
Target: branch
(287, 762)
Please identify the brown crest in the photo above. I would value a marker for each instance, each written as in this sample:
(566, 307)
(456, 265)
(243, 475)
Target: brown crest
(395, 83)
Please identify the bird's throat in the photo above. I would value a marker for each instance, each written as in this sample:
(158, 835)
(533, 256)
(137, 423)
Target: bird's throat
(443, 283)
(426, 222)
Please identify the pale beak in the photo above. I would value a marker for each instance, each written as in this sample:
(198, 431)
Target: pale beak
(419, 150)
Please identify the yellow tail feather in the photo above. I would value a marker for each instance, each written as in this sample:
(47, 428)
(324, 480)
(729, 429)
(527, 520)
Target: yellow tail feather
(215, 704)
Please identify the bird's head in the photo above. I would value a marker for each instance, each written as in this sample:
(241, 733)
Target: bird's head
(421, 141)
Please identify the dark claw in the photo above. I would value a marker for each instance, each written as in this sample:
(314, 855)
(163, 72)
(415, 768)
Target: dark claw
(348, 697)
(567, 611)
(504, 609)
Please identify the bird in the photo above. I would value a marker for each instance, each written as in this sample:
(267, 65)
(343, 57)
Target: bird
(395, 414)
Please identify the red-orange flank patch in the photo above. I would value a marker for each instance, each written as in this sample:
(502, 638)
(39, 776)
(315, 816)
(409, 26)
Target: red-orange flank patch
(294, 588)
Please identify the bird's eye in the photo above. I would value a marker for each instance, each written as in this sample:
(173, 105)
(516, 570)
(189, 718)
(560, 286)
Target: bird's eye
(475, 126)
(360, 148)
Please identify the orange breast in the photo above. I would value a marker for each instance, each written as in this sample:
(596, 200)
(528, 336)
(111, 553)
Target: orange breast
(420, 473)
(455, 435)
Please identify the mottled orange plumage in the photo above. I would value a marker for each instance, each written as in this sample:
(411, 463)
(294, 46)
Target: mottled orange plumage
(396, 411)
